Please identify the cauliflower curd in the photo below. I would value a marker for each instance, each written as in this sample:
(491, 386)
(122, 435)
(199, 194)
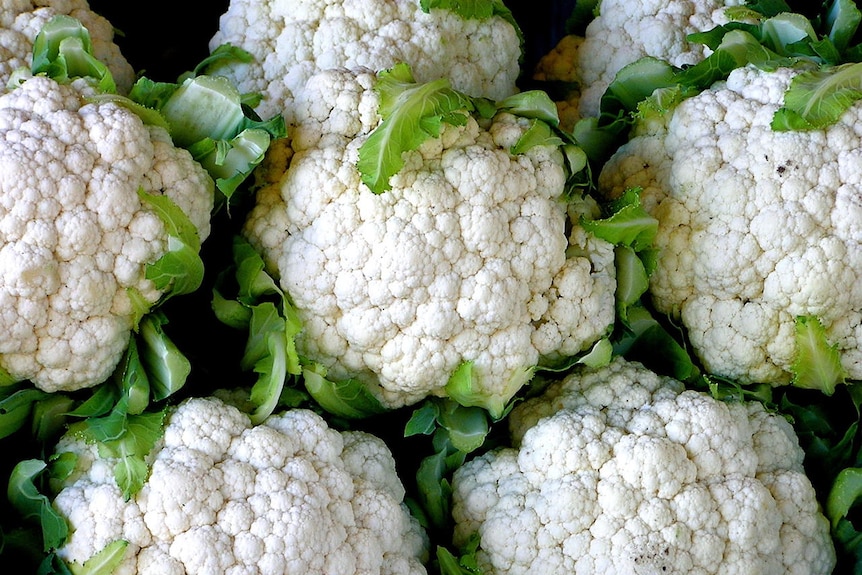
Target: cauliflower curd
(75, 236)
(291, 41)
(466, 258)
(290, 495)
(756, 227)
(619, 470)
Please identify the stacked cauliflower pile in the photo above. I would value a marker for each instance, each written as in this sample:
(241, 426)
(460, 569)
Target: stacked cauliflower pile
(621, 33)
(619, 470)
(290, 495)
(21, 20)
(756, 227)
(76, 235)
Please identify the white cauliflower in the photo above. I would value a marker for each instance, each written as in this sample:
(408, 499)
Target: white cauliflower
(756, 227)
(467, 258)
(21, 21)
(290, 495)
(75, 236)
(620, 34)
(618, 470)
(291, 41)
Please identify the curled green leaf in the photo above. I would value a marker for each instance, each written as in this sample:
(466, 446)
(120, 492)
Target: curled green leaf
(817, 98)
(412, 113)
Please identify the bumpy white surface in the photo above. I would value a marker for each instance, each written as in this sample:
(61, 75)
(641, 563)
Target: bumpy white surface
(75, 236)
(293, 40)
(618, 470)
(756, 227)
(464, 259)
(290, 495)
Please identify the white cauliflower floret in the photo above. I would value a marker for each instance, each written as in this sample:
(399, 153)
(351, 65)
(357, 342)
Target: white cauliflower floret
(291, 41)
(75, 236)
(464, 259)
(21, 21)
(620, 34)
(619, 470)
(290, 495)
(756, 227)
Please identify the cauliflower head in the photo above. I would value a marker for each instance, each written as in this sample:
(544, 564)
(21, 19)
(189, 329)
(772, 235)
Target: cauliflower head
(619, 470)
(290, 495)
(291, 41)
(756, 227)
(75, 236)
(620, 34)
(466, 258)
(21, 21)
